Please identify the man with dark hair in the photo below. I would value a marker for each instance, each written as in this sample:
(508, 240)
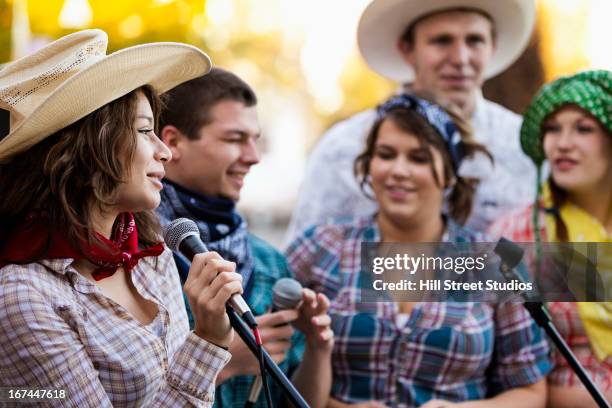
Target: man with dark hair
(446, 48)
(210, 125)
(203, 92)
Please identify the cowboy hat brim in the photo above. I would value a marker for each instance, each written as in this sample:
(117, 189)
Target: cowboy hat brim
(384, 21)
(160, 65)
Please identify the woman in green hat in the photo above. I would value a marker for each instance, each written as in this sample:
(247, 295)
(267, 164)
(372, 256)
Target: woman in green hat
(569, 124)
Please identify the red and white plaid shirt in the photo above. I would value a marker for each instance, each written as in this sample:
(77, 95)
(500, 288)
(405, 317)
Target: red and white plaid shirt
(58, 331)
(518, 227)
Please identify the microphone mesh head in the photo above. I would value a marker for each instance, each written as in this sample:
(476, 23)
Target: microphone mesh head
(175, 232)
(286, 294)
(509, 252)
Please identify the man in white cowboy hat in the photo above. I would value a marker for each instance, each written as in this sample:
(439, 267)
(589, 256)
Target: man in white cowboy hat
(446, 48)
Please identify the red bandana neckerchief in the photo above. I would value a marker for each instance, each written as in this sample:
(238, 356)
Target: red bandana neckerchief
(27, 241)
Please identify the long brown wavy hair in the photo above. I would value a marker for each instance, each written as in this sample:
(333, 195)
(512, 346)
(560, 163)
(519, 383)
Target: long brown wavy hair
(462, 195)
(75, 171)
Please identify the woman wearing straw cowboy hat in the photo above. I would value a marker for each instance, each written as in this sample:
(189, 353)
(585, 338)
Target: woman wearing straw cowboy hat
(90, 302)
(569, 124)
(446, 48)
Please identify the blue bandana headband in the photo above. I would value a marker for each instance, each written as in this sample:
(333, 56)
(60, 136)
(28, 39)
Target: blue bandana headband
(435, 116)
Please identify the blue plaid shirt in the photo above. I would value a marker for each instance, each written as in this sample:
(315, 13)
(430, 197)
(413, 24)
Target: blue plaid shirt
(453, 351)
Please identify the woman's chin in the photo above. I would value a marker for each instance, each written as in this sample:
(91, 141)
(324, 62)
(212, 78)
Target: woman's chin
(569, 183)
(401, 216)
(154, 202)
(148, 203)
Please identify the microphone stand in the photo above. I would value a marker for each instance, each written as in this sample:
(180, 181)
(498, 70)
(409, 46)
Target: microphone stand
(275, 372)
(540, 315)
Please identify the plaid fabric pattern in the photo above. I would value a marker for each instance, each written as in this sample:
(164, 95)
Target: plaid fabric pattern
(518, 227)
(453, 351)
(57, 330)
(567, 320)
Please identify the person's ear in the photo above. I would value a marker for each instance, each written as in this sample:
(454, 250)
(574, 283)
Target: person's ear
(406, 50)
(174, 139)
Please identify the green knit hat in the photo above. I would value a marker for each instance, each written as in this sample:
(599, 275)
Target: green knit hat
(591, 90)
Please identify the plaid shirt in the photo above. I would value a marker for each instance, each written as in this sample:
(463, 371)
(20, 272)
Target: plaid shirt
(518, 226)
(57, 330)
(453, 351)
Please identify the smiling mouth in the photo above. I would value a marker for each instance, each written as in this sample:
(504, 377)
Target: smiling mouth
(157, 175)
(564, 164)
(456, 80)
(156, 179)
(237, 175)
(400, 192)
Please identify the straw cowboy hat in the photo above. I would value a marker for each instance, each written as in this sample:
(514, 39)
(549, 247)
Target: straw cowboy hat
(73, 76)
(384, 21)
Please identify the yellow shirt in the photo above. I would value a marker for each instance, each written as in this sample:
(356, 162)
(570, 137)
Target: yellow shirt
(583, 227)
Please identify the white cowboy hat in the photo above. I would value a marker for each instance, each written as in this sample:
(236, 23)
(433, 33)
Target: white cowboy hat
(384, 21)
(72, 77)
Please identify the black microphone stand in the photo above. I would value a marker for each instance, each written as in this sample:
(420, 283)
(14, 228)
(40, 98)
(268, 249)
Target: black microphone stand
(275, 372)
(511, 254)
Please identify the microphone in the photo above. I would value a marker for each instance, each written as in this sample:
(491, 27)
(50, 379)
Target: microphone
(286, 294)
(182, 235)
(511, 255)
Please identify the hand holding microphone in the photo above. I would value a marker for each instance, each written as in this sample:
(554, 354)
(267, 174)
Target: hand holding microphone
(274, 328)
(308, 312)
(312, 318)
(276, 335)
(211, 284)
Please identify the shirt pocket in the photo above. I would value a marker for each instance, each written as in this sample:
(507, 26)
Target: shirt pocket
(363, 342)
(449, 344)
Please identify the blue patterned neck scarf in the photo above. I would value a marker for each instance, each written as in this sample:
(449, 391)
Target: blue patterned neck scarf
(222, 229)
(435, 116)
(218, 213)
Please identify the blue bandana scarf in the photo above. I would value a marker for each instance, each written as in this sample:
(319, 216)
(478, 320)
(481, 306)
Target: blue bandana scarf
(435, 116)
(222, 229)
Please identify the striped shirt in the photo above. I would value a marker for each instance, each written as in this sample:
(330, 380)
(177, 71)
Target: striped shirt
(449, 350)
(59, 331)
